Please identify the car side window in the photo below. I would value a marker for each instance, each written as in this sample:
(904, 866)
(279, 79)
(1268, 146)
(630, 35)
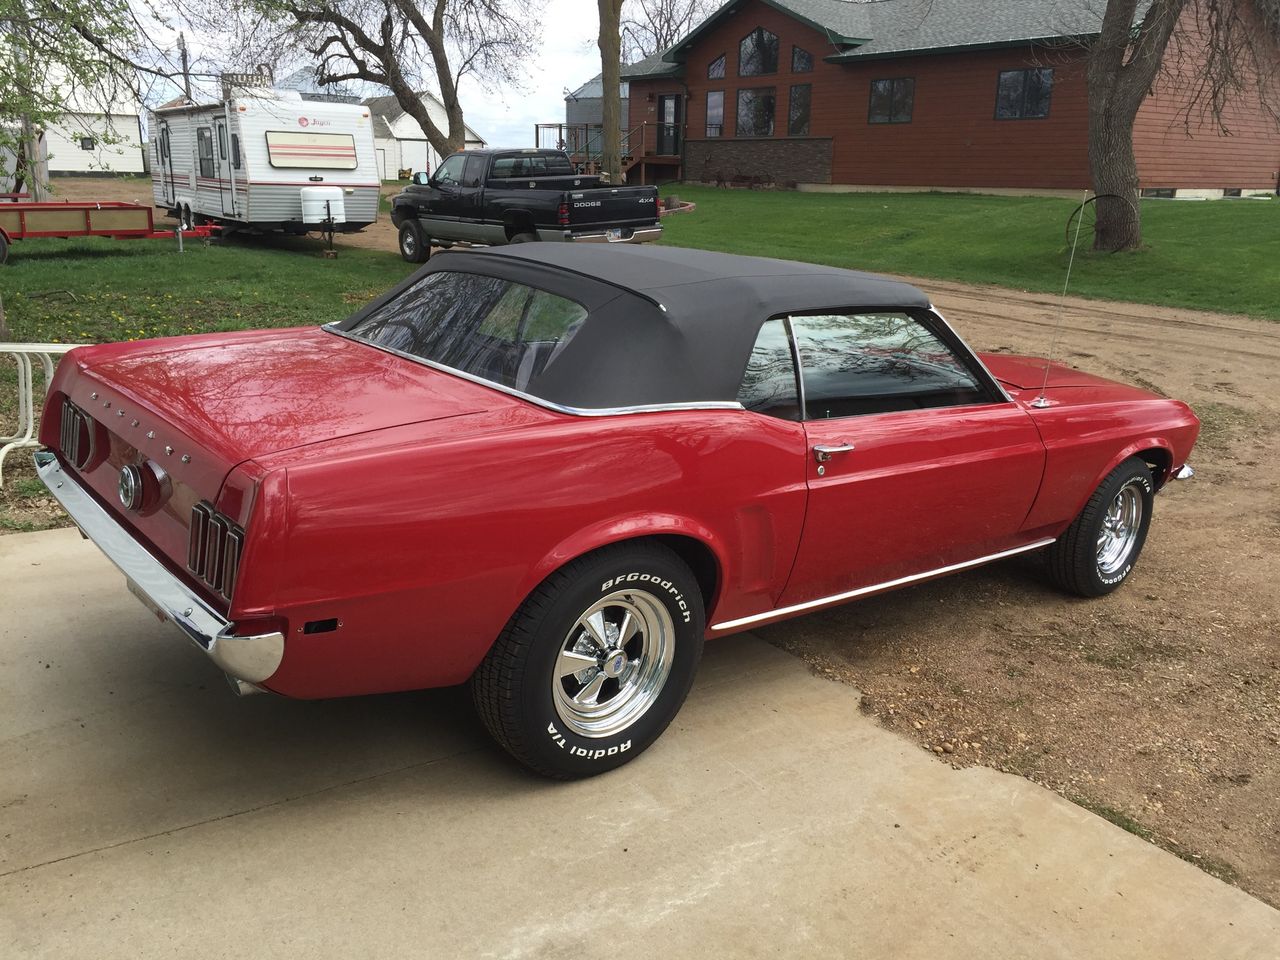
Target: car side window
(769, 384)
(474, 171)
(863, 363)
(450, 172)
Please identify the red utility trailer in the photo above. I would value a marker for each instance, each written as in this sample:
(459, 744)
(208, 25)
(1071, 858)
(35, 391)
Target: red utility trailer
(83, 218)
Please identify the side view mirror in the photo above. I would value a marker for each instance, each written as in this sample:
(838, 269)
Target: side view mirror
(422, 178)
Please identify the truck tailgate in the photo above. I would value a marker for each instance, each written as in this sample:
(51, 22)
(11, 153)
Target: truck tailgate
(612, 207)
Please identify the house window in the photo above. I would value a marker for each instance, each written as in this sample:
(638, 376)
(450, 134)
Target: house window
(758, 53)
(204, 146)
(755, 112)
(86, 143)
(801, 60)
(715, 69)
(892, 100)
(798, 114)
(1024, 94)
(715, 113)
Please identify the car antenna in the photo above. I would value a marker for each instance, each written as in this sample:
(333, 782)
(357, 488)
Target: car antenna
(1042, 401)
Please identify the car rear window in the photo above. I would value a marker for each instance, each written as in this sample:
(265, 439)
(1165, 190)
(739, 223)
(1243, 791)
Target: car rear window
(517, 166)
(498, 330)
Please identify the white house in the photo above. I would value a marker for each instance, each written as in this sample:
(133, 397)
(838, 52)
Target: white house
(95, 143)
(400, 142)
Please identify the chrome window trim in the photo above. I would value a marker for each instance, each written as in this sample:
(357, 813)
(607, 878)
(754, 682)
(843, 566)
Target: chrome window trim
(548, 404)
(973, 353)
(876, 587)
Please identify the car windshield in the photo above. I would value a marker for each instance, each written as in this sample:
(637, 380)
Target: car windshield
(495, 329)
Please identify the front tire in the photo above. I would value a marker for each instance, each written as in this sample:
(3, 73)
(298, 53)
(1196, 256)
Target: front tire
(1100, 548)
(414, 245)
(596, 662)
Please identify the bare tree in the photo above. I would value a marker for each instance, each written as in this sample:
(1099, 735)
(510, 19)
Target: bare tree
(1207, 52)
(609, 40)
(406, 46)
(650, 26)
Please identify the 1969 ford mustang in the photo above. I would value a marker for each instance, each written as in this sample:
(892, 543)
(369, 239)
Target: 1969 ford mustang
(553, 470)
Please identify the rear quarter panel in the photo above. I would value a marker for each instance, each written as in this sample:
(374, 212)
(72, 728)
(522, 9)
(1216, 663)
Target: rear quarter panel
(422, 541)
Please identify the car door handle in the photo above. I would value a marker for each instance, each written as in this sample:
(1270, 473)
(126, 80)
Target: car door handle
(824, 452)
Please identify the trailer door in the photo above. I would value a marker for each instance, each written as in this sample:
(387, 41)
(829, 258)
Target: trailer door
(167, 189)
(222, 163)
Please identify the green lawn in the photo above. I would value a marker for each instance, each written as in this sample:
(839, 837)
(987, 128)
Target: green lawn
(98, 290)
(1220, 255)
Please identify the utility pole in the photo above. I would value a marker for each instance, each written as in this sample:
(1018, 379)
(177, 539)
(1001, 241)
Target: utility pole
(186, 69)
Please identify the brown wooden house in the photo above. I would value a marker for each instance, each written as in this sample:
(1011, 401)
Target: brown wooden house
(914, 94)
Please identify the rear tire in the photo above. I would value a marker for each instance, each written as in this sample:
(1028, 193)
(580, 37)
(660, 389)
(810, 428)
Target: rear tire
(524, 238)
(4, 249)
(415, 247)
(1100, 548)
(596, 662)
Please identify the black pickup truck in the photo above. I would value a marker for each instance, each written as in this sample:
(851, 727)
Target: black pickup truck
(517, 196)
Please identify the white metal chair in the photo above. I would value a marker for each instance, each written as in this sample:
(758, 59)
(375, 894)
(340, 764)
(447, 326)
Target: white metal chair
(26, 355)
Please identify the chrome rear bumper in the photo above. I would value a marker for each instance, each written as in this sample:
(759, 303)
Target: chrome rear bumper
(248, 659)
(627, 235)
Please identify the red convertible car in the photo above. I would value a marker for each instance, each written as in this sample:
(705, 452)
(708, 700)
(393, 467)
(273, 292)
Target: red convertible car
(552, 470)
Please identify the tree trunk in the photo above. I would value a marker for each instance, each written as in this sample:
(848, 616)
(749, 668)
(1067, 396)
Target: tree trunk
(610, 43)
(1123, 64)
(1114, 172)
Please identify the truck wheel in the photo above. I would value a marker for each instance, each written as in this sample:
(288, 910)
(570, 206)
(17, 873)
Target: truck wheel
(524, 238)
(415, 247)
(596, 662)
(4, 248)
(1099, 549)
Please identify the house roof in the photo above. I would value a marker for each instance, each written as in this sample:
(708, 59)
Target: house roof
(864, 29)
(593, 89)
(387, 110)
(304, 81)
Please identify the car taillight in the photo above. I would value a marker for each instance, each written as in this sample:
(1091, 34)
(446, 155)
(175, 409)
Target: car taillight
(563, 214)
(214, 544)
(76, 435)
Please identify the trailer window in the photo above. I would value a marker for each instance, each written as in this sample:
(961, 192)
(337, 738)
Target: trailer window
(235, 150)
(204, 143)
(327, 151)
(222, 143)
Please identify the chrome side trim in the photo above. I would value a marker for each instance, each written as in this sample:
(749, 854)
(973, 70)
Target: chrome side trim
(548, 404)
(877, 587)
(251, 659)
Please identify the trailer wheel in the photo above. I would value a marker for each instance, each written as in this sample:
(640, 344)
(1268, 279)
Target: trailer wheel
(186, 220)
(4, 248)
(415, 246)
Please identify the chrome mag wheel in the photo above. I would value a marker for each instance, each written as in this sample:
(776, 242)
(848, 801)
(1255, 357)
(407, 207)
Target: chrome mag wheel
(1121, 525)
(613, 663)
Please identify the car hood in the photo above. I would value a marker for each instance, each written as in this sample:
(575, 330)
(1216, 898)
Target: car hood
(244, 395)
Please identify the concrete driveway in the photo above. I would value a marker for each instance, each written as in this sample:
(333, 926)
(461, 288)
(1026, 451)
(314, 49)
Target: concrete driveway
(144, 812)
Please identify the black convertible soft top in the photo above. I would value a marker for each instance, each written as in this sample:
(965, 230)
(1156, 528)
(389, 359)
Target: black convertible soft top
(665, 324)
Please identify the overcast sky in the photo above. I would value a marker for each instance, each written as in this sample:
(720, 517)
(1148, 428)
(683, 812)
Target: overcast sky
(569, 58)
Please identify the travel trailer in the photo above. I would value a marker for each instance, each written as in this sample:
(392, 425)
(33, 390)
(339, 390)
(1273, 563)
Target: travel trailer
(266, 159)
